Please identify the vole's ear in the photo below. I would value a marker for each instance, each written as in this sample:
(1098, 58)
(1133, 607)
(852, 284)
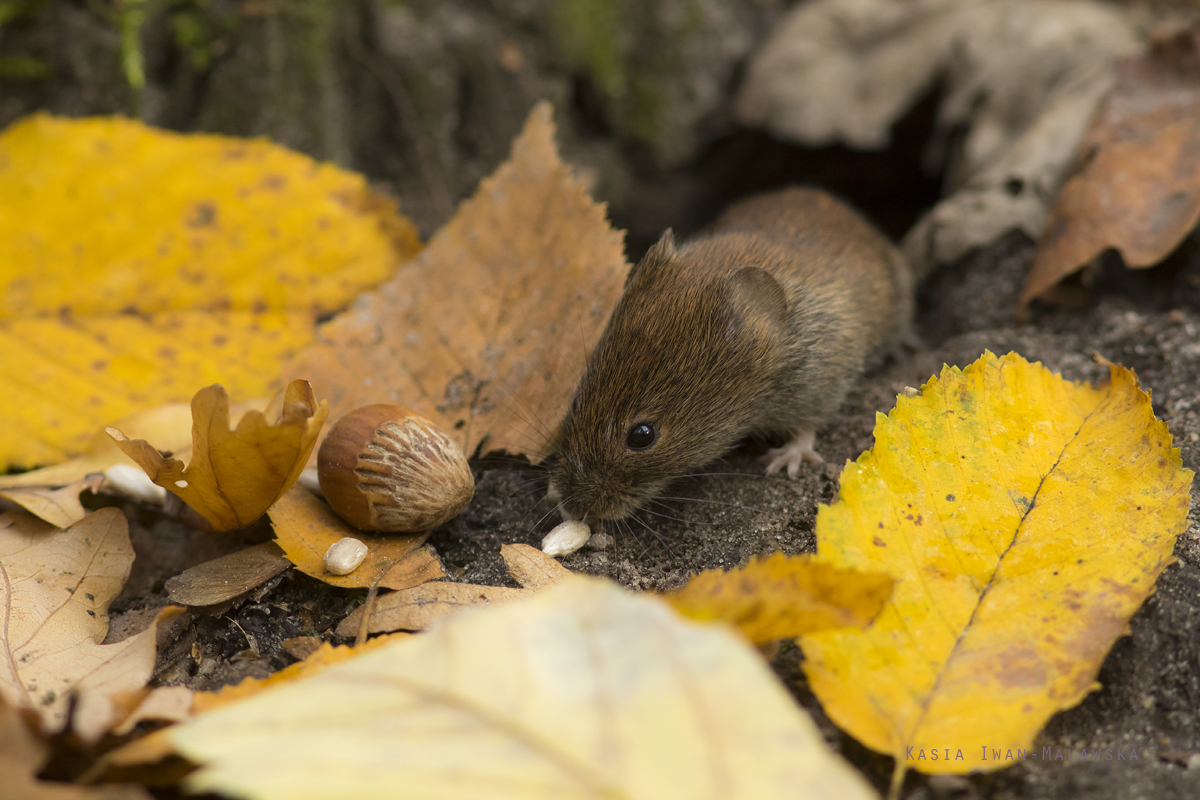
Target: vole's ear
(755, 300)
(660, 253)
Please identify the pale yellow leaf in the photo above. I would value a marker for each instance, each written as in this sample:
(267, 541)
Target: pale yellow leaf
(60, 507)
(583, 691)
(54, 595)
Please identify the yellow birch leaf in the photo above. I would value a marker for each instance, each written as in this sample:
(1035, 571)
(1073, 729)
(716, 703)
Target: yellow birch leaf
(55, 589)
(486, 331)
(1025, 519)
(783, 596)
(305, 527)
(136, 264)
(235, 475)
(582, 691)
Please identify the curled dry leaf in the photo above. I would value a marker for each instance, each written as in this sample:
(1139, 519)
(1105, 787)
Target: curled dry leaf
(784, 596)
(244, 245)
(235, 475)
(55, 593)
(306, 527)
(226, 577)
(486, 331)
(1136, 186)
(582, 691)
(1025, 519)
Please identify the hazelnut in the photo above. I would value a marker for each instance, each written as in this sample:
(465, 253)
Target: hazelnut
(385, 468)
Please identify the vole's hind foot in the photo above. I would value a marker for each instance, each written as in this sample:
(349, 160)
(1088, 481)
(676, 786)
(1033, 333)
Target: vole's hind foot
(799, 449)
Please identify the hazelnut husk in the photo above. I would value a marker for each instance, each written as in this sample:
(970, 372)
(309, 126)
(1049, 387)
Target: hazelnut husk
(386, 468)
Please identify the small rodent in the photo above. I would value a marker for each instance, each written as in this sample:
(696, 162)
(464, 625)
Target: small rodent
(761, 323)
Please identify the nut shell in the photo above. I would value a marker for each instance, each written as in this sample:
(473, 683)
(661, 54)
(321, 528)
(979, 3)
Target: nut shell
(386, 468)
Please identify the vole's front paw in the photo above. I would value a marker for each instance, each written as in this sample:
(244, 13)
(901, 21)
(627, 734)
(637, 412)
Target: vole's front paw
(799, 449)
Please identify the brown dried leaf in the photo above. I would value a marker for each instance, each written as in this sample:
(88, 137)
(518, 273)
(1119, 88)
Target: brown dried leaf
(228, 576)
(486, 331)
(235, 475)
(22, 756)
(417, 608)
(56, 589)
(532, 568)
(414, 569)
(305, 527)
(1137, 182)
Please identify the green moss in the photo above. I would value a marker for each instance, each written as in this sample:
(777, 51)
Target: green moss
(630, 50)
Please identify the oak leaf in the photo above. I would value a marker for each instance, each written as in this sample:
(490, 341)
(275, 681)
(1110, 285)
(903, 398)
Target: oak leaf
(485, 333)
(60, 507)
(234, 476)
(582, 691)
(1136, 186)
(137, 264)
(783, 597)
(1025, 519)
(55, 592)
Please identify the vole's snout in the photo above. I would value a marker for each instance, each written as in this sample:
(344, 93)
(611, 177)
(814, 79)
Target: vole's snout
(588, 497)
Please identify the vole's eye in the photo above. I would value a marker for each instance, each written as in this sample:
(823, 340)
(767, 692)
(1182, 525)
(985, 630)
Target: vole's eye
(641, 435)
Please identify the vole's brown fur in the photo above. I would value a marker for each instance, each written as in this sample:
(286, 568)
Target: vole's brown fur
(761, 323)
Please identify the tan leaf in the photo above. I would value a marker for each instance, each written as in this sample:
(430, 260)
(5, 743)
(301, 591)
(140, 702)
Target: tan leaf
(305, 527)
(532, 568)
(60, 507)
(417, 608)
(1137, 182)
(228, 576)
(418, 567)
(160, 704)
(56, 589)
(235, 475)
(784, 596)
(23, 755)
(485, 333)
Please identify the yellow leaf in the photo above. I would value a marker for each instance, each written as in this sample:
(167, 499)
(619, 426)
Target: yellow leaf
(55, 589)
(784, 596)
(235, 475)
(305, 527)
(136, 264)
(1025, 519)
(582, 691)
(485, 332)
